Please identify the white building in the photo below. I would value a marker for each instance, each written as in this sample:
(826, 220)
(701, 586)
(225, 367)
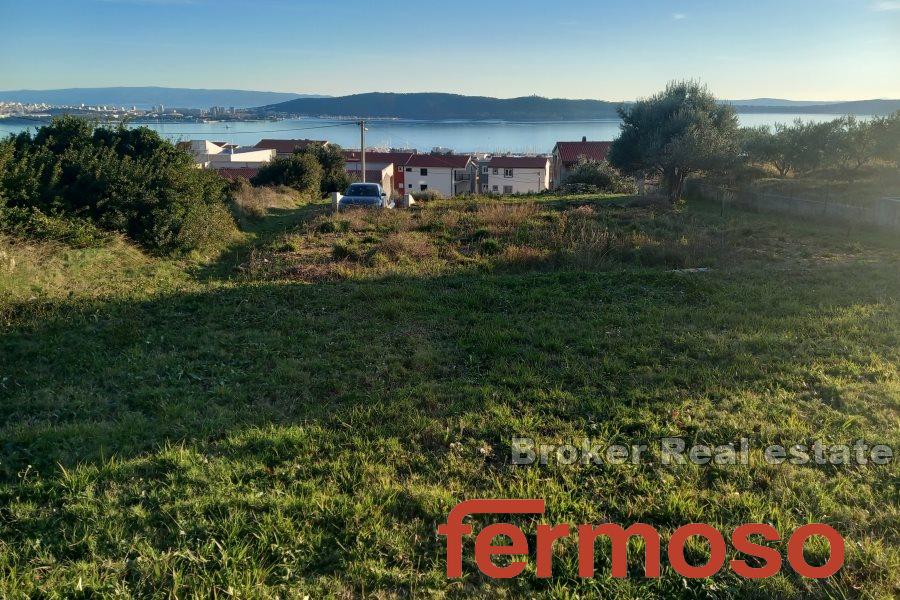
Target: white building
(518, 174)
(447, 174)
(219, 155)
(380, 172)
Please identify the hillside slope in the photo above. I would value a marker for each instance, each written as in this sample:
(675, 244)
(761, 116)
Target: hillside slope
(434, 106)
(438, 106)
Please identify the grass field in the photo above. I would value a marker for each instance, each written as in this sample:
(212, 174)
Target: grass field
(295, 417)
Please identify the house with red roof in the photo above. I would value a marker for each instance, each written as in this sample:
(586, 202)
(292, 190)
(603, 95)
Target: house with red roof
(378, 160)
(239, 173)
(518, 174)
(567, 154)
(448, 174)
(284, 148)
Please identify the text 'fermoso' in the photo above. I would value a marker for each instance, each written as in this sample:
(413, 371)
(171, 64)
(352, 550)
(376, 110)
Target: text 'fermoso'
(769, 560)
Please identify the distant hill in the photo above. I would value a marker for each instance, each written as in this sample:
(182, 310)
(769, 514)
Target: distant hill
(777, 102)
(856, 107)
(437, 106)
(145, 97)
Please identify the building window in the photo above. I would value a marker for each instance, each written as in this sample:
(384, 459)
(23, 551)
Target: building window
(409, 169)
(496, 171)
(507, 189)
(495, 189)
(423, 187)
(423, 172)
(507, 172)
(484, 170)
(410, 186)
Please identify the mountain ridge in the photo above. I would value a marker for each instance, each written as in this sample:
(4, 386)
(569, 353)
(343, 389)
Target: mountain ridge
(443, 106)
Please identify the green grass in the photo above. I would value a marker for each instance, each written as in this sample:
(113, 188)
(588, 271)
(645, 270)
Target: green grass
(863, 187)
(296, 416)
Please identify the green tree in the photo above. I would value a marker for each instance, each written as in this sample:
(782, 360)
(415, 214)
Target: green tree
(886, 133)
(334, 167)
(762, 146)
(858, 143)
(300, 171)
(6, 160)
(678, 132)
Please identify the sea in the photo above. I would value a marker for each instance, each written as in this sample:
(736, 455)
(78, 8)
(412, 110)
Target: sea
(458, 136)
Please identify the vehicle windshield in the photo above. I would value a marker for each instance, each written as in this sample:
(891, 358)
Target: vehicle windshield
(362, 190)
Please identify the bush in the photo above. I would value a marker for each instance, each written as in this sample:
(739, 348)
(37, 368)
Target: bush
(122, 180)
(427, 195)
(32, 223)
(300, 171)
(591, 176)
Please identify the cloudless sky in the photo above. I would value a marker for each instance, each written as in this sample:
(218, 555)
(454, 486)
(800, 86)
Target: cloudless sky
(612, 50)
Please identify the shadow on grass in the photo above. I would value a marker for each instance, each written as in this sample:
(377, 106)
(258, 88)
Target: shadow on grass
(258, 232)
(120, 378)
(298, 435)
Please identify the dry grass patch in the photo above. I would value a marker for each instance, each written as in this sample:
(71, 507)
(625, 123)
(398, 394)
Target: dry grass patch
(405, 244)
(505, 216)
(255, 202)
(524, 258)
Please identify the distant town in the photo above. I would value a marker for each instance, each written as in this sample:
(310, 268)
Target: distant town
(403, 171)
(109, 113)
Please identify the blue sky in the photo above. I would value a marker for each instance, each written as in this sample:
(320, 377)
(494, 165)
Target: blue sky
(614, 49)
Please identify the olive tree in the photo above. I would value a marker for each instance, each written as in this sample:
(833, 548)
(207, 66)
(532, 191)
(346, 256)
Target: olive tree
(763, 146)
(679, 131)
(886, 131)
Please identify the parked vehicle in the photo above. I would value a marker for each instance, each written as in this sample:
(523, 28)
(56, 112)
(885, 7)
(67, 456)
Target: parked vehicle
(366, 195)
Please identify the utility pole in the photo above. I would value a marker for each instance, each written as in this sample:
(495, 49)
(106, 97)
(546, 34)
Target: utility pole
(362, 149)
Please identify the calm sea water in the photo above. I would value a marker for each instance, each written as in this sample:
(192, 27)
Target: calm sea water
(460, 136)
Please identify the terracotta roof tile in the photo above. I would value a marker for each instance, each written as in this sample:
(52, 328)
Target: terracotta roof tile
(452, 161)
(398, 158)
(286, 146)
(245, 172)
(570, 152)
(519, 162)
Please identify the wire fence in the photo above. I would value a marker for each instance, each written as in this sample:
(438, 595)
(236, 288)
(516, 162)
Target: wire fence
(882, 214)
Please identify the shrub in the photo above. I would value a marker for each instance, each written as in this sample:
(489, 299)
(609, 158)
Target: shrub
(29, 222)
(300, 171)
(427, 195)
(122, 180)
(591, 176)
(346, 249)
(490, 246)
